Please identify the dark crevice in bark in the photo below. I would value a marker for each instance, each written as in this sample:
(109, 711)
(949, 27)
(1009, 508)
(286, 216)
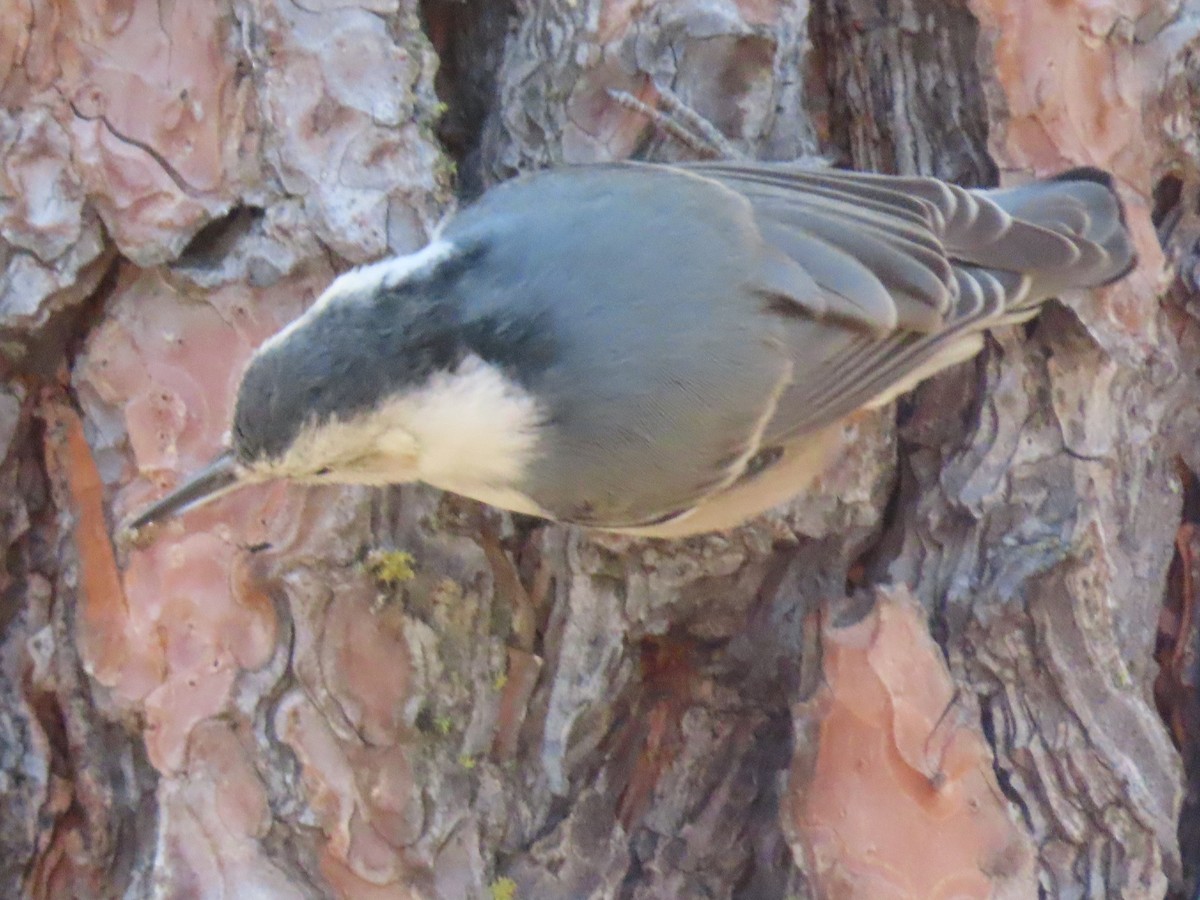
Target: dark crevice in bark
(40, 353)
(1168, 197)
(76, 324)
(97, 790)
(1175, 215)
(899, 87)
(24, 492)
(771, 869)
(987, 724)
(210, 246)
(106, 783)
(22, 715)
(750, 851)
(469, 39)
(1178, 655)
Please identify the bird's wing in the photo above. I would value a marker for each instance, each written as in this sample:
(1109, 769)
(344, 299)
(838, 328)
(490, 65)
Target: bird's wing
(907, 271)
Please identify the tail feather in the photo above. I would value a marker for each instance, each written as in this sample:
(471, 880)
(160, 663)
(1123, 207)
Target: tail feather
(911, 271)
(1079, 206)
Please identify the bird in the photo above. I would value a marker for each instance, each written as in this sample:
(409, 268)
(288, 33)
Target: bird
(653, 349)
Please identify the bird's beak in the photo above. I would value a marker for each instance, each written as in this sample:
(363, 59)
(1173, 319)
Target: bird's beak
(217, 478)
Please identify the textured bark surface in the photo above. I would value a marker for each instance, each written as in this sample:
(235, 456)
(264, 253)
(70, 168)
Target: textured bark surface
(944, 671)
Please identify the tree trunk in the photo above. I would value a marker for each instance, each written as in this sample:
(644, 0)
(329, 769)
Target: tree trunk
(943, 671)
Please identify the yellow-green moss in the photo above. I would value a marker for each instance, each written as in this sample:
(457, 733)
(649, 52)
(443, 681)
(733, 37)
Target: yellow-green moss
(391, 567)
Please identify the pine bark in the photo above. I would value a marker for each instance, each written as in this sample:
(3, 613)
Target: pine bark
(964, 661)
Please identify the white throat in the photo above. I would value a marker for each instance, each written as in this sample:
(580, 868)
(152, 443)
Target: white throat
(474, 428)
(472, 431)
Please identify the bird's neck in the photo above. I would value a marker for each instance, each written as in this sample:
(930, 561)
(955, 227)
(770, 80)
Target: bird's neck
(475, 430)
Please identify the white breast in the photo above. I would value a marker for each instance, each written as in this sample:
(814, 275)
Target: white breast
(475, 432)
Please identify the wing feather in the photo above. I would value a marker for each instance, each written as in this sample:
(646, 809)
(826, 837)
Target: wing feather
(916, 266)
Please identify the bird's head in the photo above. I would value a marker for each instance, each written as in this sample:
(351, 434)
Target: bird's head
(375, 384)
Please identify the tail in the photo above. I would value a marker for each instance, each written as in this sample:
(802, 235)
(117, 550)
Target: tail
(1010, 250)
(918, 269)
(1062, 233)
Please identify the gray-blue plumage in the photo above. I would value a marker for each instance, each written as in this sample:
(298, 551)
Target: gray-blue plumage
(691, 332)
(667, 354)
(681, 331)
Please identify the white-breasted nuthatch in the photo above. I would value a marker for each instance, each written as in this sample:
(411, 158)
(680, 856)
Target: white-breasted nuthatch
(655, 349)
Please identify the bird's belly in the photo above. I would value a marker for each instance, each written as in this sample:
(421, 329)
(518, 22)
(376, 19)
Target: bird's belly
(499, 497)
(795, 470)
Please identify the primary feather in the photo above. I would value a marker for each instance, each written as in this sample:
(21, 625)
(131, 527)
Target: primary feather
(985, 257)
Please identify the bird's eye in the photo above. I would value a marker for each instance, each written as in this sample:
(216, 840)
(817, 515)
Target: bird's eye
(323, 471)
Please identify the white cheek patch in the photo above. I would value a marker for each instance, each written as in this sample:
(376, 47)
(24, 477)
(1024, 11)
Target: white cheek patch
(471, 431)
(397, 443)
(359, 450)
(474, 427)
